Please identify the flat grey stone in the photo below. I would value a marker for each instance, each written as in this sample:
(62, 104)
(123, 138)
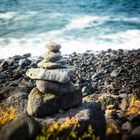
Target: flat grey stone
(40, 104)
(56, 75)
(55, 88)
(50, 65)
(52, 56)
(54, 47)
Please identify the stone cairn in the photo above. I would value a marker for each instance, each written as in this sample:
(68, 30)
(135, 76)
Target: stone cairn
(54, 89)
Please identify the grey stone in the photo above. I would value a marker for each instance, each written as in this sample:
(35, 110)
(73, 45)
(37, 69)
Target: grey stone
(27, 55)
(22, 128)
(40, 105)
(72, 99)
(127, 126)
(8, 91)
(24, 63)
(18, 101)
(85, 91)
(56, 75)
(55, 88)
(116, 72)
(50, 65)
(54, 47)
(86, 114)
(52, 56)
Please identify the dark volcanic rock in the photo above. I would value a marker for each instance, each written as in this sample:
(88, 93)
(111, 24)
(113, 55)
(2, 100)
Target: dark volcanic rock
(112, 71)
(18, 101)
(86, 114)
(23, 128)
(135, 135)
(72, 99)
(113, 76)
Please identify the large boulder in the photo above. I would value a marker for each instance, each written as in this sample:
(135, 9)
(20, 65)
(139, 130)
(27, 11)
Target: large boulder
(87, 114)
(23, 127)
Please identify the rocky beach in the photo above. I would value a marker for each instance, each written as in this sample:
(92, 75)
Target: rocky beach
(110, 87)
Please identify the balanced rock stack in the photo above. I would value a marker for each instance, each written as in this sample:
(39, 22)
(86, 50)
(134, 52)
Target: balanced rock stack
(54, 89)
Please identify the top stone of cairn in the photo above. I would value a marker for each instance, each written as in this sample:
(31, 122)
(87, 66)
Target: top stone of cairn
(53, 47)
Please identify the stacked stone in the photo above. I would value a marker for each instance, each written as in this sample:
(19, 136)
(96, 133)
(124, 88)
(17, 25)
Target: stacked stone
(54, 89)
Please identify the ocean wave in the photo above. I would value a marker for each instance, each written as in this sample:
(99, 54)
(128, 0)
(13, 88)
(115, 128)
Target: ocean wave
(126, 19)
(33, 44)
(17, 15)
(80, 23)
(84, 21)
(25, 15)
(7, 15)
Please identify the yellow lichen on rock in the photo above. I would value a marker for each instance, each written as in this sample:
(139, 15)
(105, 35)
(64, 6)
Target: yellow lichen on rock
(56, 131)
(66, 124)
(134, 107)
(6, 116)
(69, 122)
(112, 129)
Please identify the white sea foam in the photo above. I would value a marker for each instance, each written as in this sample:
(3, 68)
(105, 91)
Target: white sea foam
(126, 19)
(25, 15)
(7, 15)
(33, 44)
(84, 21)
(17, 16)
(79, 23)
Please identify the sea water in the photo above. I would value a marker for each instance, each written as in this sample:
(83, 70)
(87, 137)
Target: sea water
(78, 25)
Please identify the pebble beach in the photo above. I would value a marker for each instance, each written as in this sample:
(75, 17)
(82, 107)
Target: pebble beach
(109, 78)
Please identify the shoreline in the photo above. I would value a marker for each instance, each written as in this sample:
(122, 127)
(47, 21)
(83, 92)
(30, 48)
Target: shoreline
(67, 51)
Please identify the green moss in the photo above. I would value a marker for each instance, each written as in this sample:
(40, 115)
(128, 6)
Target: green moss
(59, 132)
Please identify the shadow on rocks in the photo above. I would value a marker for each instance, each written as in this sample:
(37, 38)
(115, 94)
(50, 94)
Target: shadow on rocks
(22, 128)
